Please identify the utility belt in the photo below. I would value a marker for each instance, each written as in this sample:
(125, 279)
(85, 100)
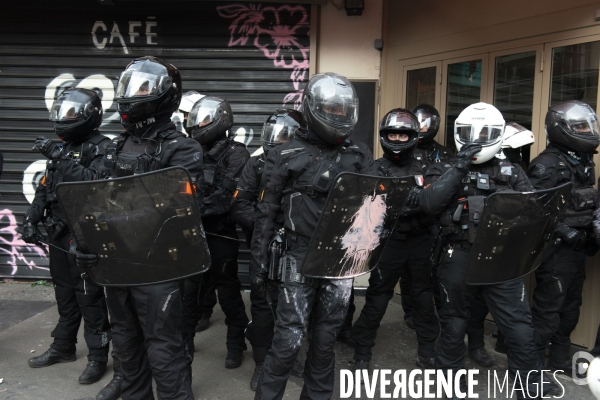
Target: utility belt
(55, 228)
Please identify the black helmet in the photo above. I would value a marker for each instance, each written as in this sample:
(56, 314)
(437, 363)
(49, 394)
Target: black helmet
(429, 122)
(330, 107)
(76, 113)
(209, 118)
(280, 127)
(399, 120)
(148, 88)
(573, 125)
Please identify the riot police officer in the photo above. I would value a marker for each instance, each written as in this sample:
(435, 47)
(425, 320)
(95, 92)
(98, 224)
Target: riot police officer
(427, 152)
(515, 137)
(147, 321)
(207, 302)
(573, 131)
(279, 128)
(475, 174)
(409, 249)
(208, 123)
(77, 114)
(297, 178)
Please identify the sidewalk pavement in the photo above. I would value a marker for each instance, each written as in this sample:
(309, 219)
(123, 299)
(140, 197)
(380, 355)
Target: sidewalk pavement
(28, 315)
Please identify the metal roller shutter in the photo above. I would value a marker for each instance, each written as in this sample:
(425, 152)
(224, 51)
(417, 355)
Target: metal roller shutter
(256, 56)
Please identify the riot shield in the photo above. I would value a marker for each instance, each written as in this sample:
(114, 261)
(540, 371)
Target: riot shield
(357, 220)
(513, 234)
(145, 228)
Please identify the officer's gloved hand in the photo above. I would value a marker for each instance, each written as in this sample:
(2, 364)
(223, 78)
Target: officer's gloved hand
(29, 234)
(47, 147)
(258, 284)
(412, 200)
(571, 236)
(83, 261)
(465, 155)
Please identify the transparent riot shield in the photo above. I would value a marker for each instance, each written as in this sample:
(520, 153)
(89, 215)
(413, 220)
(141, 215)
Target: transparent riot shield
(145, 228)
(357, 220)
(513, 234)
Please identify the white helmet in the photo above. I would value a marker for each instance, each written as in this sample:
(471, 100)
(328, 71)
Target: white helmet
(188, 100)
(593, 377)
(516, 136)
(483, 124)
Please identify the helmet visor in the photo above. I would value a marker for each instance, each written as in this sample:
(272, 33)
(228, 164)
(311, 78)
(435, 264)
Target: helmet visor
(333, 103)
(581, 121)
(68, 111)
(481, 134)
(396, 121)
(203, 113)
(427, 121)
(142, 84)
(277, 132)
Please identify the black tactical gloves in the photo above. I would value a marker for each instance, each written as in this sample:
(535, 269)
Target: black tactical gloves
(47, 147)
(465, 155)
(82, 261)
(29, 234)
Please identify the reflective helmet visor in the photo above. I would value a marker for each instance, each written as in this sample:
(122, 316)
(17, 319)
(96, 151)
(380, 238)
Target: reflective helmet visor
(66, 110)
(334, 104)
(277, 132)
(399, 121)
(142, 84)
(427, 121)
(581, 120)
(482, 134)
(203, 113)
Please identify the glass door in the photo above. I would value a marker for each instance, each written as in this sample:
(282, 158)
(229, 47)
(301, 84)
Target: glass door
(463, 86)
(516, 81)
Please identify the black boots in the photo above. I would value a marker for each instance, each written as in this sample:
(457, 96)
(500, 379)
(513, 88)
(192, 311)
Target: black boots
(93, 372)
(234, 358)
(112, 391)
(202, 324)
(481, 357)
(50, 357)
(256, 376)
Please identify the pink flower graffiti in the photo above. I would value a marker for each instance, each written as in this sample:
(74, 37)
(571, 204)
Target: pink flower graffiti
(15, 248)
(275, 31)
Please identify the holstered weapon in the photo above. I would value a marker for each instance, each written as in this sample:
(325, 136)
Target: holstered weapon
(276, 248)
(437, 253)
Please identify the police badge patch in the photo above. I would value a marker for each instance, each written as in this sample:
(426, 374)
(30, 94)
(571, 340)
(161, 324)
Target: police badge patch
(539, 170)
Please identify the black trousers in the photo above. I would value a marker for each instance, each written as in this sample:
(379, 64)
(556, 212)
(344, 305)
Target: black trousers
(325, 303)
(147, 324)
(556, 300)
(506, 301)
(77, 298)
(260, 330)
(223, 276)
(475, 325)
(413, 257)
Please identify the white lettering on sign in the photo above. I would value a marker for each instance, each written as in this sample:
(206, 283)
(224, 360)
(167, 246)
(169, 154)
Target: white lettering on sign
(100, 33)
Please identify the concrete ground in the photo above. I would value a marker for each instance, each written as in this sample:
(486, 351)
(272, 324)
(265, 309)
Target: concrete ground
(28, 315)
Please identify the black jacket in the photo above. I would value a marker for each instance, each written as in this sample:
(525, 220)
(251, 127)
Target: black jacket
(446, 183)
(297, 178)
(243, 204)
(432, 152)
(417, 222)
(72, 165)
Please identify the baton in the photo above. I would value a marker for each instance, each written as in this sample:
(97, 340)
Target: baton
(51, 245)
(223, 237)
